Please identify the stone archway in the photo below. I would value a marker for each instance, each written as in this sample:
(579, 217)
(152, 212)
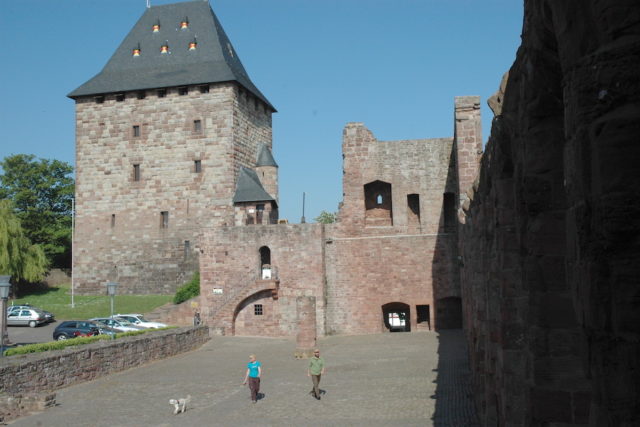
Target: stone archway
(396, 317)
(256, 315)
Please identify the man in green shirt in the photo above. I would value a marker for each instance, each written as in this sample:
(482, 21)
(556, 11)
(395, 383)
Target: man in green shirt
(315, 371)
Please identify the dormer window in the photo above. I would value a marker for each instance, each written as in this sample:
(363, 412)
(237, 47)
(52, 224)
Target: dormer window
(193, 44)
(184, 24)
(156, 27)
(136, 51)
(165, 47)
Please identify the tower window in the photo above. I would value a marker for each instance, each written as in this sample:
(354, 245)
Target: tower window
(204, 89)
(183, 90)
(162, 93)
(136, 172)
(141, 94)
(113, 220)
(119, 97)
(99, 99)
(257, 309)
(197, 166)
(197, 126)
(136, 131)
(164, 219)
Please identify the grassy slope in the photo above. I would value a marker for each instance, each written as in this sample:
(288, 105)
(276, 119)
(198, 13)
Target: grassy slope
(58, 301)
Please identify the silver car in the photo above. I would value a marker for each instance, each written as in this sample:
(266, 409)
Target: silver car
(26, 316)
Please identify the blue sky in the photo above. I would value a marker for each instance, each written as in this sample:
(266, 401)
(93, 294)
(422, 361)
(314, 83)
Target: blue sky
(395, 65)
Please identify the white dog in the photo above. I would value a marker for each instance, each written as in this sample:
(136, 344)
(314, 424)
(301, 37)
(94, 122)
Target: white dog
(180, 405)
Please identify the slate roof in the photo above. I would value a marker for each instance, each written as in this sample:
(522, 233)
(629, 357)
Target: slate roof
(213, 61)
(249, 188)
(265, 157)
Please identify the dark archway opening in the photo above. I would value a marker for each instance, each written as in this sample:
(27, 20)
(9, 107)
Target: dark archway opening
(449, 313)
(265, 262)
(397, 317)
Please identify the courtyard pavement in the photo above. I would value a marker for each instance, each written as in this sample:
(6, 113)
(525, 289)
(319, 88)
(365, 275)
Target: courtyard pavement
(400, 379)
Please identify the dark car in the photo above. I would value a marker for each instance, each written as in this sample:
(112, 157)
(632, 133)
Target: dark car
(75, 328)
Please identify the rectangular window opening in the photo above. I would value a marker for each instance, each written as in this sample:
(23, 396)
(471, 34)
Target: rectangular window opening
(119, 97)
(204, 89)
(162, 93)
(257, 309)
(164, 219)
(183, 90)
(187, 248)
(197, 126)
(197, 166)
(136, 131)
(113, 220)
(99, 99)
(136, 172)
(141, 94)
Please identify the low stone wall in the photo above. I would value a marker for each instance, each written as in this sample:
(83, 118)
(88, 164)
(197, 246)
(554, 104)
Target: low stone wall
(15, 406)
(48, 371)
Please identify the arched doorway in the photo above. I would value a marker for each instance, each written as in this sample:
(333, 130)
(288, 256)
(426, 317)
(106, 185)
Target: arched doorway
(449, 313)
(265, 263)
(396, 317)
(256, 315)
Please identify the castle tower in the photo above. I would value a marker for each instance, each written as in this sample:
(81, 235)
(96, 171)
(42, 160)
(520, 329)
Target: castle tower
(162, 134)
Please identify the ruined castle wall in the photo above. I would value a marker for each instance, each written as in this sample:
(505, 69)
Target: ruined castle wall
(396, 248)
(231, 264)
(550, 241)
(139, 157)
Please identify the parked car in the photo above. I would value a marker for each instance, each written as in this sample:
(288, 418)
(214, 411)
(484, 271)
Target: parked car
(139, 320)
(49, 316)
(26, 316)
(75, 328)
(121, 325)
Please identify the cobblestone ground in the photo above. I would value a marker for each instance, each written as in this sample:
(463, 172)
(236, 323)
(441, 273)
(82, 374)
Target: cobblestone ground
(399, 379)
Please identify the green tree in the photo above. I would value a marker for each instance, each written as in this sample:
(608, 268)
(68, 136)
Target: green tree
(326, 217)
(41, 191)
(18, 257)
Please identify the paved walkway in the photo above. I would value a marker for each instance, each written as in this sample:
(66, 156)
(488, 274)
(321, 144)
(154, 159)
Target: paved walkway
(399, 379)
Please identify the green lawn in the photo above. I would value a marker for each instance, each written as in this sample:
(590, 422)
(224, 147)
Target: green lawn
(57, 300)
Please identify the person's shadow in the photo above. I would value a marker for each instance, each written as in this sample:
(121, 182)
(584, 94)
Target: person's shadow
(260, 396)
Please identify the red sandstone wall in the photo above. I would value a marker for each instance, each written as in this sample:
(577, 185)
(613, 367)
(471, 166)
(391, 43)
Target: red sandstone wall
(550, 245)
(231, 261)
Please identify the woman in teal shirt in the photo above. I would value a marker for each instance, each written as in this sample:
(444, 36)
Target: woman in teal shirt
(254, 371)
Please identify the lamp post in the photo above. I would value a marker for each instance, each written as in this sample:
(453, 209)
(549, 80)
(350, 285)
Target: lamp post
(4, 295)
(111, 291)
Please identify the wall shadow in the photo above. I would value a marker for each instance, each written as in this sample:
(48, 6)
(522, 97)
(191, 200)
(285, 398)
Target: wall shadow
(455, 405)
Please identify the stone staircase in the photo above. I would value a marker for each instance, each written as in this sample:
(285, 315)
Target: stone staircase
(175, 314)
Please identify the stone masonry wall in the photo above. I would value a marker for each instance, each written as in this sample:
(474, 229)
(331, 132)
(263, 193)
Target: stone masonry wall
(550, 245)
(48, 371)
(119, 232)
(230, 265)
(411, 259)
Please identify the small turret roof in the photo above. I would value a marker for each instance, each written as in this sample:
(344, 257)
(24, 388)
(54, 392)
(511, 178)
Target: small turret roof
(265, 157)
(249, 188)
(214, 60)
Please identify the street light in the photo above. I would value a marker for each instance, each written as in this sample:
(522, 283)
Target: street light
(111, 291)
(4, 295)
